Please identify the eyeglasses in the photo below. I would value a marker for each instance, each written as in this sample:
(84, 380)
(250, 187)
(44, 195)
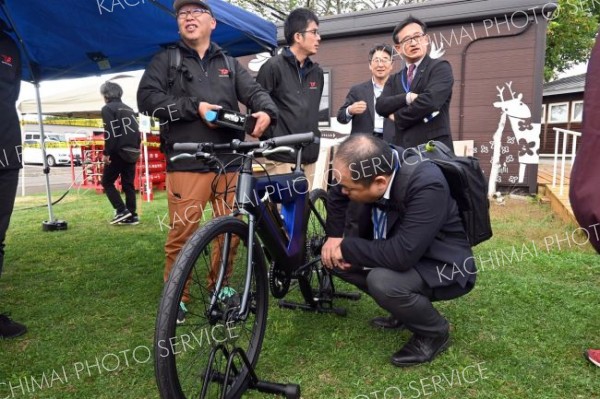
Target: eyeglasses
(196, 13)
(418, 38)
(313, 31)
(384, 61)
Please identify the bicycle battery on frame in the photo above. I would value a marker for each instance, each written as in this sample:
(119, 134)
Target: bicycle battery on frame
(284, 238)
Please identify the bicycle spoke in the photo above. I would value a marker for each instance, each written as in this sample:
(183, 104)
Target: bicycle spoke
(190, 344)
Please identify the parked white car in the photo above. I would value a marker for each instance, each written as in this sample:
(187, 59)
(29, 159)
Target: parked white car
(57, 150)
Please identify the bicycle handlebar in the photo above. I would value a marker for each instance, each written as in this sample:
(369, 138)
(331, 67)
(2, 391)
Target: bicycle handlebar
(205, 149)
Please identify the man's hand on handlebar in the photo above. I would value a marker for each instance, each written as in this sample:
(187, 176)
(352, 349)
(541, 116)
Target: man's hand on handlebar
(331, 254)
(263, 120)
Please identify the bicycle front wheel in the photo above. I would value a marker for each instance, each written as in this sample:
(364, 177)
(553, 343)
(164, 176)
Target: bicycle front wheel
(187, 365)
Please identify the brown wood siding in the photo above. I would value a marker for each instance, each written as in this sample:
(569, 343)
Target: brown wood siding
(492, 60)
(548, 133)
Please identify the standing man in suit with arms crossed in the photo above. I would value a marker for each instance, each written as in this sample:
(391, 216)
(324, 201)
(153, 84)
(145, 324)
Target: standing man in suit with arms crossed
(359, 106)
(418, 97)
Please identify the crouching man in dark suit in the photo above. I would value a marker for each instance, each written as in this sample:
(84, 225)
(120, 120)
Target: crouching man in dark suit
(407, 254)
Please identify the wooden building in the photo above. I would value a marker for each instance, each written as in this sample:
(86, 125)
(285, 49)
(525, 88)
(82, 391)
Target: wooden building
(562, 107)
(496, 49)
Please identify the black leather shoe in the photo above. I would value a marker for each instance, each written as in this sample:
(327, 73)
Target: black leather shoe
(387, 322)
(10, 328)
(420, 349)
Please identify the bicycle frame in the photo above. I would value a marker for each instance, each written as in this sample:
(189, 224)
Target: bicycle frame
(284, 241)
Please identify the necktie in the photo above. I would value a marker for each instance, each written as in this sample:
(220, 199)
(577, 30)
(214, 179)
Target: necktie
(411, 74)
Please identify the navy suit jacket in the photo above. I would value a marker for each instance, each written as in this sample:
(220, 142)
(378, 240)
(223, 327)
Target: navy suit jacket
(428, 236)
(433, 83)
(365, 122)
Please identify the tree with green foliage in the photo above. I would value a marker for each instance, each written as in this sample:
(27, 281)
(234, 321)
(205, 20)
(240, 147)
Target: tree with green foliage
(276, 10)
(571, 35)
(571, 29)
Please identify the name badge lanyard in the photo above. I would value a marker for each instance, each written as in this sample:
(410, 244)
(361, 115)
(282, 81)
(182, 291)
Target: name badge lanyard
(379, 216)
(404, 82)
(379, 223)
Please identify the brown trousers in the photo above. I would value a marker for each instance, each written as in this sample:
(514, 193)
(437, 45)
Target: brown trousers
(188, 194)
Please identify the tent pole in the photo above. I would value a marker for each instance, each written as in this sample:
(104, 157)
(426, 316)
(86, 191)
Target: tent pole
(43, 145)
(51, 224)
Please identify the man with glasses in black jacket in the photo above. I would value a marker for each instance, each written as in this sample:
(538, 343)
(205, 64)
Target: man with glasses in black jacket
(295, 83)
(207, 79)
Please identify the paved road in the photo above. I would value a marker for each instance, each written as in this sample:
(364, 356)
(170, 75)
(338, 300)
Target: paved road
(35, 181)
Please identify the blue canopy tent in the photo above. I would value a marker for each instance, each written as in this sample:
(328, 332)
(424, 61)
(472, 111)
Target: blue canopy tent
(77, 38)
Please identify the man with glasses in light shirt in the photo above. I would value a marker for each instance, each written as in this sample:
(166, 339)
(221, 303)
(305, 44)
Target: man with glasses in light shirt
(418, 97)
(295, 83)
(359, 106)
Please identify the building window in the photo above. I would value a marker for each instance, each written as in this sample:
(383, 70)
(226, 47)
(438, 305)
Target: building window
(543, 113)
(577, 111)
(325, 104)
(558, 113)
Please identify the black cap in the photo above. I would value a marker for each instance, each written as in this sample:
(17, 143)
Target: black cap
(180, 3)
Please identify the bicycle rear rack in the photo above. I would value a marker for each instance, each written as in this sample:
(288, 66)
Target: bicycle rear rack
(289, 391)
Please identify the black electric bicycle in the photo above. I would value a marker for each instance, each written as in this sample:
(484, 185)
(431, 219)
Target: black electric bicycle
(222, 269)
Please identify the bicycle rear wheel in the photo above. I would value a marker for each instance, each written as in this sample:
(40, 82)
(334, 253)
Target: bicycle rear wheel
(315, 282)
(182, 351)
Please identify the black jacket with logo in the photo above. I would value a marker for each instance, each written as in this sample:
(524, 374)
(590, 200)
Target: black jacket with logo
(213, 80)
(10, 85)
(297, 97)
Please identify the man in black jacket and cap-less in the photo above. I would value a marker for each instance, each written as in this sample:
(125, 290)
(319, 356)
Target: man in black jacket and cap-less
(411, 248)
(121, 143)
(10, 151)
(207, 79)
(295, 83)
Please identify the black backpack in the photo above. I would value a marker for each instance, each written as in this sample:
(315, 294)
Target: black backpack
(468, 185)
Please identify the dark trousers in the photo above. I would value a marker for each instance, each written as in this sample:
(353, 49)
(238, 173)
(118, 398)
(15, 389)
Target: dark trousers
(117, 167)
(9, 180)
(404, 294)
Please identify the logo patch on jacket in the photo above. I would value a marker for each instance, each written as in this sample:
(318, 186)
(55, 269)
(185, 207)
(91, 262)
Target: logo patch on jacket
(223, 72)
(6, 60)
(312, 85)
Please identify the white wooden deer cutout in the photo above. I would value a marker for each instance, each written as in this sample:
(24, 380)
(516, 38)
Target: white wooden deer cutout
(527, 134)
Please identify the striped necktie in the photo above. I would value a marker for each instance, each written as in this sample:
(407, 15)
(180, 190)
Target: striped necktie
(410, 74)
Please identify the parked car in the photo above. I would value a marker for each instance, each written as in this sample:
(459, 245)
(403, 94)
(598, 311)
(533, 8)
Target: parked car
(57, 150)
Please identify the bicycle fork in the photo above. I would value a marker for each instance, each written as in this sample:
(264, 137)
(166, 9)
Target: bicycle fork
(244, 185)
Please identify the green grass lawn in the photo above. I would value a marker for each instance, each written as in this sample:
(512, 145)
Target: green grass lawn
(89, 297)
